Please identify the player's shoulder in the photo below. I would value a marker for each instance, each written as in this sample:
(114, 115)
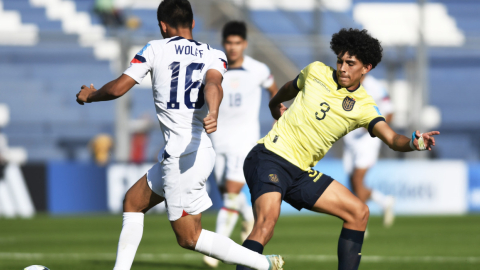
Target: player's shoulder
(318, 68)
(250, 63)
(362, 96)
(375, 87)
(372, 84)
(218, 53)
(155, 43)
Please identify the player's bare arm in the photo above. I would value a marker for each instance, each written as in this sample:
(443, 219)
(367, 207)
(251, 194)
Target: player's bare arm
(213, 97)
(401, 143)
(109, 91)
(287, 92)
(273, 89)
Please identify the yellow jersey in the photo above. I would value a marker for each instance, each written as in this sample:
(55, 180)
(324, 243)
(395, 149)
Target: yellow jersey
(322, 113)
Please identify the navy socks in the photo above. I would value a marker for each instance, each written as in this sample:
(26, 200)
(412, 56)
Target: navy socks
(252, 245)
(349, 249)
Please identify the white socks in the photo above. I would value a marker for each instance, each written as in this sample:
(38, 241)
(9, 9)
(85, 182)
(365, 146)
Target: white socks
(130, 237)
(379, 198)
(223, 248)
(228, 215)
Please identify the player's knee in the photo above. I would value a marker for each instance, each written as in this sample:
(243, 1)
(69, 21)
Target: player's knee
(362, 214)
(130, 204)
(187, 242)
(357, 214)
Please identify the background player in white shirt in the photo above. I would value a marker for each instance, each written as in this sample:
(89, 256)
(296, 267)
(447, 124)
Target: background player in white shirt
(361, 151)
(186, 74)
(238, 128)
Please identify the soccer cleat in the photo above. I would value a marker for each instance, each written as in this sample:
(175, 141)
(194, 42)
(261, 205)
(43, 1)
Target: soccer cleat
(389, 213)
(247, 227)
(211, 262)
(276, 262)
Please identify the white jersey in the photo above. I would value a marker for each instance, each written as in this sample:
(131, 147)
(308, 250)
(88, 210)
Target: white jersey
(382, 99)
(238, 121)
(178, 67)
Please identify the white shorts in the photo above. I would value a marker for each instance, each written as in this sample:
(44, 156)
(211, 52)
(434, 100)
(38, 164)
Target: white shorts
(362, 154)
(229, 166)
(182, 182)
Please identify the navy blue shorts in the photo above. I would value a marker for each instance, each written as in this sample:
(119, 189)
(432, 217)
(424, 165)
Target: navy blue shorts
(266, 172)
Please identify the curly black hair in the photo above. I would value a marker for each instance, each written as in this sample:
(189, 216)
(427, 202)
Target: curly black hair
(357, 43)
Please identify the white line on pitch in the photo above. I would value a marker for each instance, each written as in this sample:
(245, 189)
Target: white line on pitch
(197, 257)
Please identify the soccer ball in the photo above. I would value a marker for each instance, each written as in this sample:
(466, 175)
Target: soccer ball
(36, 267)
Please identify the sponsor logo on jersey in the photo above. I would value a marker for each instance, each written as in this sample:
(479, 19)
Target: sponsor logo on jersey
(322, 84)
(348, 103)
(273, 178)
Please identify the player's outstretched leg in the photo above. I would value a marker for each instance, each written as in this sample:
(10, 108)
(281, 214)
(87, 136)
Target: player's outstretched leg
(338, 201)
(266, 211)
(190, 235)
(138, 200)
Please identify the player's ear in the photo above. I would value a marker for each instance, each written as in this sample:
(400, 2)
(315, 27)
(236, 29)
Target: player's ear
(245, 44)
(366, 68)
(163, 27)
(193, 24)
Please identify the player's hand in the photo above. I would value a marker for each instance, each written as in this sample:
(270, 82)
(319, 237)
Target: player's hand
(278, 111)
(82, 96)
(428, 139)
(210, 123)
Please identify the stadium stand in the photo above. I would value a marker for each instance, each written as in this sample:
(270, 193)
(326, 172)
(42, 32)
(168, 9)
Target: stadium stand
(40, 79)
(452, 61)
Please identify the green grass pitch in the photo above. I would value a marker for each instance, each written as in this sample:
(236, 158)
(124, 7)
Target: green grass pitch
(307, 242)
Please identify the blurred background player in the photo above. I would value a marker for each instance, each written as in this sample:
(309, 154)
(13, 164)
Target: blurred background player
(361, 152)
(239, 128)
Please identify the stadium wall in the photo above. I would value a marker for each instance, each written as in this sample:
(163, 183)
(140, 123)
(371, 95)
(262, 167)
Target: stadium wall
(421, 187)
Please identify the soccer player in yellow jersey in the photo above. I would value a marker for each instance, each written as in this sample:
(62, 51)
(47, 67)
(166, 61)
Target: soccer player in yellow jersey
(328, 104)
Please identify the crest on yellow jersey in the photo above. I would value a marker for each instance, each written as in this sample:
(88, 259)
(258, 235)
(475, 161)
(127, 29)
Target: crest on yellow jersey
(348, 103)
(273, 178)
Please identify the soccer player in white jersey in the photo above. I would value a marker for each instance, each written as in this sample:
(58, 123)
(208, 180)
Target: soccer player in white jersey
(186, 78)
(361, 152)
(238, 128)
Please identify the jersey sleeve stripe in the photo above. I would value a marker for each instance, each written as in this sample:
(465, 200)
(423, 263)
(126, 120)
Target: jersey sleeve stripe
(295, 81)
(372, 124)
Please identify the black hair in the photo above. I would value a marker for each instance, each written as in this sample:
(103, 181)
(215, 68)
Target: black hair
(176, 13)
(357, 43)
(234, 28)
